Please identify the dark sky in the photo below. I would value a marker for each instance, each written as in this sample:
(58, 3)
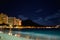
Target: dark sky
(45, 12)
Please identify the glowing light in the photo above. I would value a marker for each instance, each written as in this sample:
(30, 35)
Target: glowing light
(10, 33)
(17, 35)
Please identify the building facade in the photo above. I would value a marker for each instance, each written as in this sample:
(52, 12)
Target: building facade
(9, 20)
(14, 21)
(3, 18)
(18, 22)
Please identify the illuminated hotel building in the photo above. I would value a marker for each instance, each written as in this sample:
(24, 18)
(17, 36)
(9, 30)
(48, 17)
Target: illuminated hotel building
(18, 22)
(14, 21)
(3, 18)
(10, 20)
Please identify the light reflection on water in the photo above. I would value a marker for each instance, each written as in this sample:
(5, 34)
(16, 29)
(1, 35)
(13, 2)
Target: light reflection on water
(35, 36)
(38, 37)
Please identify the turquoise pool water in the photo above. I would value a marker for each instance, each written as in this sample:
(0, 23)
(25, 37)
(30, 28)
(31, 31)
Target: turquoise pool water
(39, 34)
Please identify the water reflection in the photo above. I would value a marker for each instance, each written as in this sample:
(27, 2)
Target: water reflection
(17, 35)
(35, 37)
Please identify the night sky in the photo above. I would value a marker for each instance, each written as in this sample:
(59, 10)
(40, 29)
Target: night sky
(44, 12)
